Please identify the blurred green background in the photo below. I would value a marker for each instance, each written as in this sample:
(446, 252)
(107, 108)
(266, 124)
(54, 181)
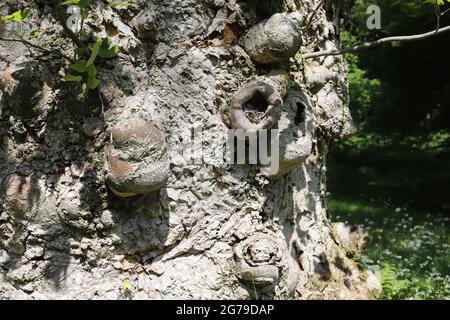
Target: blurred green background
(393, 177)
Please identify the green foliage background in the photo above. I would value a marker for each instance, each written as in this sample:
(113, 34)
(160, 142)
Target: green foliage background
(409, 82)
(393, 178)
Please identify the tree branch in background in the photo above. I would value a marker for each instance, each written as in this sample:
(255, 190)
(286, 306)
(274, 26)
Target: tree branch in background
(32, 45)
(376, 43)
(437, 11)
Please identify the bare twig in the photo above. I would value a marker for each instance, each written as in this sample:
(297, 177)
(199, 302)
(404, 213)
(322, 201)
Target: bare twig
(310, 19)
(37, 47)
(379, 42)
(101, 102)
(437, 11)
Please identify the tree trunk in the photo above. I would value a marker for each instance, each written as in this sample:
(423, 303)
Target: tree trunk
(122, 195)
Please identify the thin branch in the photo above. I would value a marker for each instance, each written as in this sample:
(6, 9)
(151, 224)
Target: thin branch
(312, 15)
(437, 11)
(379, 42)
(35, 46)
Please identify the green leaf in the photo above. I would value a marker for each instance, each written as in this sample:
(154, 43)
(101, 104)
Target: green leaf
(34, 34)
(93, 83)
(107, 51)
(79, 51)
(85, 13)
(95, 48)
(70, 2)
(437, 2)
(79, 66)
(71, 78)
(84, 88)
(91, 71)
(85, 3)
(18, 16)
(127, 285)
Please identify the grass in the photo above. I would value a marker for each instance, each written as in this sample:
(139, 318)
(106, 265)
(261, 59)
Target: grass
(399, 194)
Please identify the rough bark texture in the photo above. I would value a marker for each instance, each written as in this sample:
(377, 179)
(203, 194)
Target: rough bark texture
(97, 200)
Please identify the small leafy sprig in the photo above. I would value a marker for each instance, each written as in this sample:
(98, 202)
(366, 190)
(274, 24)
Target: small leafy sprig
(437, 2)
(20, 17)
(83, 66)
(438, 11)
(84, 71)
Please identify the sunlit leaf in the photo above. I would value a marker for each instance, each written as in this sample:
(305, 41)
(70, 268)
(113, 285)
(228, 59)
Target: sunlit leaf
(71, 78)
(95, 48)
(79, 66)
(34, 34)
(93, 83)
(107, 51)
(18, 16)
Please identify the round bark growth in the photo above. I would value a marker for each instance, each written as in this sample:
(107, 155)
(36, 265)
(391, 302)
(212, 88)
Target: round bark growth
(274, 40)
(262, 260)
(137, 162)
(256, 106)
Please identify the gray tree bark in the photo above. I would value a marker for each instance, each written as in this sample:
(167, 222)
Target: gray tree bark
(98, 197)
